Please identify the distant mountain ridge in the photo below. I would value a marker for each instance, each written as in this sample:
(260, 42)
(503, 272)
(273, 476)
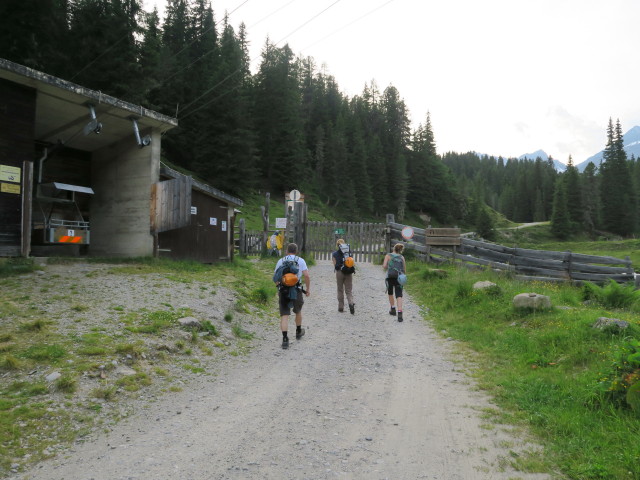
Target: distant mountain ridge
(631, 142)
(559, 166)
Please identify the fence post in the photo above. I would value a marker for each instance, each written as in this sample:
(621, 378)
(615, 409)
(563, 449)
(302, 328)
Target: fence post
(265, 221)
(387, 242)
(242, 245)
(568, 260)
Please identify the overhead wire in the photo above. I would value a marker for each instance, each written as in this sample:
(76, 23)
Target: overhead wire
(307, 22)
(347, 25)
(240, 69)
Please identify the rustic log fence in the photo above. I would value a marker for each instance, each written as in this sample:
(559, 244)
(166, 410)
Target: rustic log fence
(446, 245)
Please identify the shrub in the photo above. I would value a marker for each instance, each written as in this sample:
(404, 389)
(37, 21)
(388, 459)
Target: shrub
(463, 289)
(207, 326)
(262, 294)
(612, 295)
(622, 386)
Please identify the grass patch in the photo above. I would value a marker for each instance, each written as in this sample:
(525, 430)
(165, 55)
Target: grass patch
(66, 384)
(16, 266)
(240, 332)
(155, 322)
(37, 325)
(44, 352)
(9, 363)
(133, 383)
(550, 371)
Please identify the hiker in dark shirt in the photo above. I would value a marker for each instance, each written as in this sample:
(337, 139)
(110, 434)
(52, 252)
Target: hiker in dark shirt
(395, 265)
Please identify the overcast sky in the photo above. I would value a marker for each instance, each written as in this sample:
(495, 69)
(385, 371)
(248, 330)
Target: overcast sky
(502, 77)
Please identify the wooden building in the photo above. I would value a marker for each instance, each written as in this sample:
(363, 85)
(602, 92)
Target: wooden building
(80, 175)
(197, 223)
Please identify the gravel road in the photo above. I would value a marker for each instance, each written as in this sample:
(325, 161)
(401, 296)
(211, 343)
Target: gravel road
(358, 397)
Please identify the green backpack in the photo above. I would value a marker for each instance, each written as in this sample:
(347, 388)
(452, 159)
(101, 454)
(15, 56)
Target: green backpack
(395, 266)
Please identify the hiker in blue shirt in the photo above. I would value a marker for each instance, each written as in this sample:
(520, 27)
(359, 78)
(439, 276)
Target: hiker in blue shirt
(290, 291)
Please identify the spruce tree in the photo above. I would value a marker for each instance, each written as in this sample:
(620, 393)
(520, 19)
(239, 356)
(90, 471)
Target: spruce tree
(618, 199)
(571, 179)
(560, 221)
(590, 198)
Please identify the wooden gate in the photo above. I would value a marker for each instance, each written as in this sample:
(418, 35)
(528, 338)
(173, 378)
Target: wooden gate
(367, 240)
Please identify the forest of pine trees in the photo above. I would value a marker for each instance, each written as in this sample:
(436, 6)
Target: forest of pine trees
(288, 125)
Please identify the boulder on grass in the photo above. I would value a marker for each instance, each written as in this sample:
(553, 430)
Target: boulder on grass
(604, 323)
(483, 285)
(531, 301)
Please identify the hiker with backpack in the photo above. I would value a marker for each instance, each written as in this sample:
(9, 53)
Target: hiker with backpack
(344, 268)
(396, 267)
(287, 276)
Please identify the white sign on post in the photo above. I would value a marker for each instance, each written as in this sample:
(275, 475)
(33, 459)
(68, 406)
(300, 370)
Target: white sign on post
(294, 195)
(281, 223)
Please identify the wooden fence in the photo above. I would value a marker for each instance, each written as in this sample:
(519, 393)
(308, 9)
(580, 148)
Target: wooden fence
(367, 240)
(538, 265)
(248, 242)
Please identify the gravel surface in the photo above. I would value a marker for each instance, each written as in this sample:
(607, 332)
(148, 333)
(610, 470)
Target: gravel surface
(358, 397)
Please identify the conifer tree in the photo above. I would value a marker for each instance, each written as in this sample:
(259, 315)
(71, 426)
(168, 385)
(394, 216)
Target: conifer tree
(277, 117)
(618, 200)
(590, 198)
(575, 210)
(560, 221)
(106, 50)
(484, 224)
(395, 140)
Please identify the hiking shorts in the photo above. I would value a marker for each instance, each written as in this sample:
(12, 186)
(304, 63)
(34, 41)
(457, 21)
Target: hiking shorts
(283, 301)
(392, 284)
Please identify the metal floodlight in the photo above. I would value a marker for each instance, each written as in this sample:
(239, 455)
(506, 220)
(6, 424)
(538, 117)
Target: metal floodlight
(94, 125)
(144, 141)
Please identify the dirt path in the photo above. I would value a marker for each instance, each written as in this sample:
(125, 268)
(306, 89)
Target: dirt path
(359, 397)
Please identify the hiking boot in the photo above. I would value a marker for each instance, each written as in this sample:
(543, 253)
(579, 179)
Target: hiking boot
(299, 334)
(399, 316)
(285, 343)
(352, 308)
(340, 309)
(392, 311)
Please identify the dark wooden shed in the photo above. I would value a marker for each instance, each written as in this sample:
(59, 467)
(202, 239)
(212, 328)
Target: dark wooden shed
(195, 221)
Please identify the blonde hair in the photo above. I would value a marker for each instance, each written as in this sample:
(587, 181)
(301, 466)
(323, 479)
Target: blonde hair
(398, 248)
(339, 242)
